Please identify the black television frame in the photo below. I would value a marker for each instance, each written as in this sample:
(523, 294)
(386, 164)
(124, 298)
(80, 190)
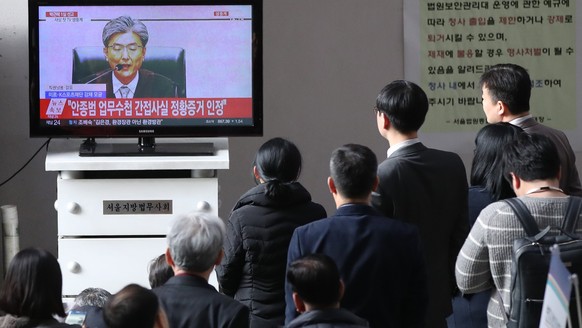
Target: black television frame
(145, 132)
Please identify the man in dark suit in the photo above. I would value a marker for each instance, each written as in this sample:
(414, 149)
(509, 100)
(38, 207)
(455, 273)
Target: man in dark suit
(422, 186)
(124, 47)
(506, 90)
(379, 258)
(194, 248)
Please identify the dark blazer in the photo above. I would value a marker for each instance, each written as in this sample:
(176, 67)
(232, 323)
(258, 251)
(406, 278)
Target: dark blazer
(149, 85)
(379, 260)
(569, 179)
(328, 318)
(258, 232)
(428, 187)
(189, 301)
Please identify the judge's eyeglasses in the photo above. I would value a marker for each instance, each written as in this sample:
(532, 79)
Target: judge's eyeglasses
(131, 48)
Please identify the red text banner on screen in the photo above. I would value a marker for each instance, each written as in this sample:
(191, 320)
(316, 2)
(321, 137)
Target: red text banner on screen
(64, 108)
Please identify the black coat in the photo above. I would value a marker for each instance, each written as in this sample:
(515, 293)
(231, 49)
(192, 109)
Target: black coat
(255, 250)
(190, 302)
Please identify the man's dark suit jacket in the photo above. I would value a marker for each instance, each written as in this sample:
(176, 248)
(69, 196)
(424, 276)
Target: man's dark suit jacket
(149, 85)
(379, 260)
(189, 302)
(428, 188)
(569, 179)
(328, 318)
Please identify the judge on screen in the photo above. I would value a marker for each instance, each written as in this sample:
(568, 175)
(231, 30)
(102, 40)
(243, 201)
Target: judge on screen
(125, 40)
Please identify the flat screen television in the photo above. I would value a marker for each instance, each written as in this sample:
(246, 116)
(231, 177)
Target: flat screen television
(145, 69)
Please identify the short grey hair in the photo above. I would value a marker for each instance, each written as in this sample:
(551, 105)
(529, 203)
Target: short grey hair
(195, 241)
(92, 297)
(124, 24)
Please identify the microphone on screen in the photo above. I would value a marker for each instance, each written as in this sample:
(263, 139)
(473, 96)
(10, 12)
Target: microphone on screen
(117, 67)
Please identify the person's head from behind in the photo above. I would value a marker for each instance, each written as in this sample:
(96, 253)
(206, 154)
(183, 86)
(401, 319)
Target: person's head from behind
(159, 271)
(92, 297)
(353, 172)
(134, 307)
(33, 285)
(91, 301)
(124, 46)
(487, 168)
(195, 243)
(506, 89)
(531, 157)
(316, 282)
(401, 105)
(277, 162)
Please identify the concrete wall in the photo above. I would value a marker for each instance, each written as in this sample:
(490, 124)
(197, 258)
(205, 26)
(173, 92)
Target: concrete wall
(324, 63)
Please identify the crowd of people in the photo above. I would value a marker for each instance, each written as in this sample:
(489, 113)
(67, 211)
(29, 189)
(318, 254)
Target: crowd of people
(411, 243)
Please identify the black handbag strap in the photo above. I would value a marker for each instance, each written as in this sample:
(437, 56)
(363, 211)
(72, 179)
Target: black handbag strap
(527, 221)
(572, 214)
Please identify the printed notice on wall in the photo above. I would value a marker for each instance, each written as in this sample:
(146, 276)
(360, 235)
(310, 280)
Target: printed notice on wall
(449, 44)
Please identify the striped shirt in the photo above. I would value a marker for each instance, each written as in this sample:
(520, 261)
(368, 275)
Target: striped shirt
(485, 258)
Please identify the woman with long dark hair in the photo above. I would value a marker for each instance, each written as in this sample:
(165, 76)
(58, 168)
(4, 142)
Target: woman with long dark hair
(488, 185)
(488, 182)
(259, 230)
(31, 293)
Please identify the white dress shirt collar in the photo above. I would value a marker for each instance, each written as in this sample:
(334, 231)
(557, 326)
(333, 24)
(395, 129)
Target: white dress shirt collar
(519, 120)
(402, 144)
(132, 85)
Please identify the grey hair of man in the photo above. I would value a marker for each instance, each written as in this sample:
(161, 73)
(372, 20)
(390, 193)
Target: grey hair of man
(124, 24)
(92, 297)
(195, 241)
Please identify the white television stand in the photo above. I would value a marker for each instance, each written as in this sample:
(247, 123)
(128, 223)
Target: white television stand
(114, 211)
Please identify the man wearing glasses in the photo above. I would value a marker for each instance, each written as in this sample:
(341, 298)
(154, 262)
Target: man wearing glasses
(125, 40)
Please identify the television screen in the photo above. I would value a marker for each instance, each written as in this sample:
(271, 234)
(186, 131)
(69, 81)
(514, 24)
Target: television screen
(145, 68)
